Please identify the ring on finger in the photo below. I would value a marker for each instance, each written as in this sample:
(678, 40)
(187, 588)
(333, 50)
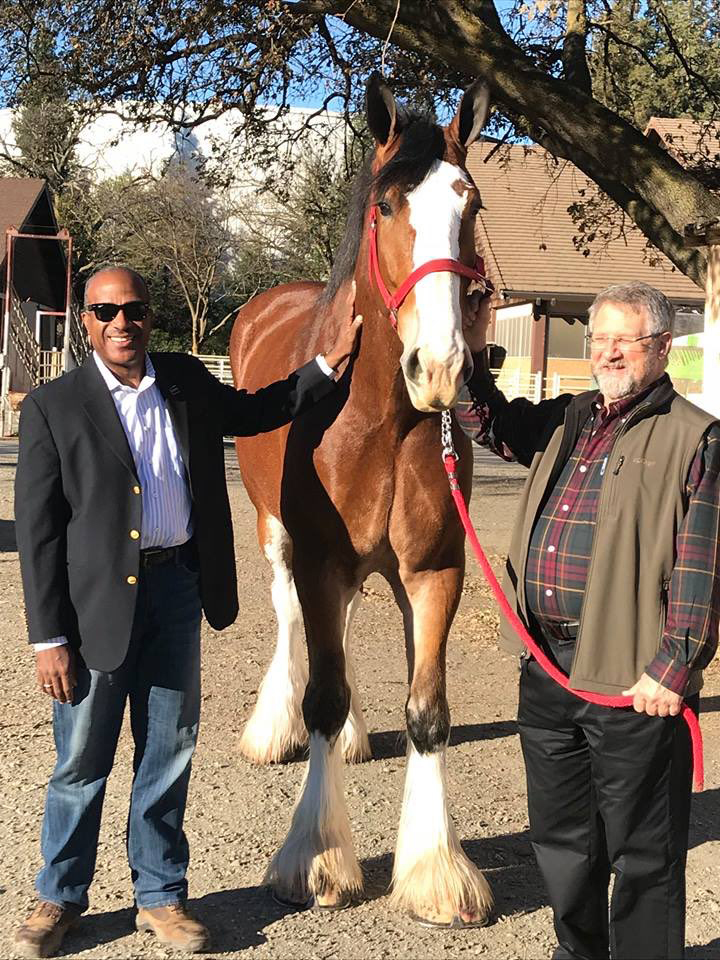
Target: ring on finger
(47, 686)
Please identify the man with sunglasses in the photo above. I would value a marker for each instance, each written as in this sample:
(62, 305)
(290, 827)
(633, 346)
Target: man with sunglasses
(125, 539)
(614, 568)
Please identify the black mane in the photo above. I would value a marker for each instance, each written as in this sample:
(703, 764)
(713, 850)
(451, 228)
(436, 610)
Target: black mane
(422, 143)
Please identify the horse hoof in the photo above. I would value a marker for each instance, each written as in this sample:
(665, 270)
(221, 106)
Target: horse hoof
(456, 922)
(313, 902)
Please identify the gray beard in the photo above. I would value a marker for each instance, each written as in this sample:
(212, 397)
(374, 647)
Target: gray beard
(616, 385)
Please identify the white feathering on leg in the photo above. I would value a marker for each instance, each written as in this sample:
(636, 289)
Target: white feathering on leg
(276, 729)
(431, 873)
(317, 857)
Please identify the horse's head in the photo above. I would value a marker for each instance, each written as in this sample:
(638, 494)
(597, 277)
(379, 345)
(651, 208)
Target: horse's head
(426, 205)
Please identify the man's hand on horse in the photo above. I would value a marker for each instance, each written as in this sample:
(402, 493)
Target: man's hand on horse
(349, 329)
(652, 698)
(55, 670)
(476, 319)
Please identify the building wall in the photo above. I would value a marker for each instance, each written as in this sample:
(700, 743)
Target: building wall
(566, 339)
(513, 329)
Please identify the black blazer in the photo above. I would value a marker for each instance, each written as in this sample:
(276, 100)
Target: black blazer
(77, 496)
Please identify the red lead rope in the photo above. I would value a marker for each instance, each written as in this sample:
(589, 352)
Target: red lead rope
(548, 666)
(393, 302)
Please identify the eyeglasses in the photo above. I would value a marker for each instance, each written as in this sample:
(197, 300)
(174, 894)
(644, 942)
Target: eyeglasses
(626, 344)
(135, 310)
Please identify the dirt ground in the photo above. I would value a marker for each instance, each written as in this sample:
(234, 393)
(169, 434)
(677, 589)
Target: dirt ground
(239, 814)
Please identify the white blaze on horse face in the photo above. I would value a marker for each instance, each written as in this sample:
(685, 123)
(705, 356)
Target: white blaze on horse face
(435, 353)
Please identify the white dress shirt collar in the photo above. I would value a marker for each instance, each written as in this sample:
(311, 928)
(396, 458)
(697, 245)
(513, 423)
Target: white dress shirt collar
(114, 384)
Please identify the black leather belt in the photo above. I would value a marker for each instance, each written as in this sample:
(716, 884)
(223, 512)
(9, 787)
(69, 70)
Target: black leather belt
(561, 631)
(157, 556)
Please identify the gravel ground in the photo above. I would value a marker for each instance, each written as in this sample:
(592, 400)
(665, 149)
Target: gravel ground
(239, 814)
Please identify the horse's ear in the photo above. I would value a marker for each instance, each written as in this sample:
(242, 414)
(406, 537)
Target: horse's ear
(381, 109)
(472, 114)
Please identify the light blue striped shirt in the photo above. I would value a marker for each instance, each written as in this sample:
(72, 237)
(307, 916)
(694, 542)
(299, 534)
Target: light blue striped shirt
(166, 502)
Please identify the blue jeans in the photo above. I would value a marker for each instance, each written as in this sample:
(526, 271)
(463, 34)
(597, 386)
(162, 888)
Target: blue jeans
(161, 678)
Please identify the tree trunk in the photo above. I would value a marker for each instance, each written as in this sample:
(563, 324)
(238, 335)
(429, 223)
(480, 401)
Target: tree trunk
(575, 65)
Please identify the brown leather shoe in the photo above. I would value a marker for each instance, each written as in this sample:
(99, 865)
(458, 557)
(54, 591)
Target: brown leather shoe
(174, 927)
(43, 931)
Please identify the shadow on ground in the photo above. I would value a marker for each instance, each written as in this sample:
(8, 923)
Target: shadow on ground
(235, 918)
(710, 951)
(8, 543)
(393, 743)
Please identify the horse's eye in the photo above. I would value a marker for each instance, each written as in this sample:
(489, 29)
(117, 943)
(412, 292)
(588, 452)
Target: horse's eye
(384, 208)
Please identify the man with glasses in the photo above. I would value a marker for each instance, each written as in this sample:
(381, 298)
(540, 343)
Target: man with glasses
(125, 538)
(614, 569)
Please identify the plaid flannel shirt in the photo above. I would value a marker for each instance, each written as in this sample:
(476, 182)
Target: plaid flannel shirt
(561, 544)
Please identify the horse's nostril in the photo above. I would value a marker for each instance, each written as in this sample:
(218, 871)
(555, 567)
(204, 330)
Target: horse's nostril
(412, 365)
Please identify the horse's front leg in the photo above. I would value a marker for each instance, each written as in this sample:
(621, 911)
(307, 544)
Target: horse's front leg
(316, 863)
(275, 729)
(432, 877)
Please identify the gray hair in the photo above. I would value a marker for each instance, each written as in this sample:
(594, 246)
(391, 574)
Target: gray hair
(660, 311)
(110, 268)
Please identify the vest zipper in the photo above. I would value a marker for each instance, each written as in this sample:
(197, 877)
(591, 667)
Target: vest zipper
(604, 495)
(665, 589)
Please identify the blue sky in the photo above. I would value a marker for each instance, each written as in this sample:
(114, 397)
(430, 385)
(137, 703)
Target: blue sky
(502, 6)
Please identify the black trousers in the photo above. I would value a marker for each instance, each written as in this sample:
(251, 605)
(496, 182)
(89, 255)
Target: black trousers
(608, 792)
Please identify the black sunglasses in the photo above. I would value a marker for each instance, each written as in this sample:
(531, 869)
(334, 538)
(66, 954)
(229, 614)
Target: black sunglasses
(135, 310)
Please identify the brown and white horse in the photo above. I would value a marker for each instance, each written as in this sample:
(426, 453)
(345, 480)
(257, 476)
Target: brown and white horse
(357, 485)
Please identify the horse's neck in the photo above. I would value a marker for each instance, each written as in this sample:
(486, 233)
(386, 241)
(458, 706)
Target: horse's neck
(378, 386)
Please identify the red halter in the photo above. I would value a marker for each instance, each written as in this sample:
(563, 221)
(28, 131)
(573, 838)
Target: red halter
(393, 301)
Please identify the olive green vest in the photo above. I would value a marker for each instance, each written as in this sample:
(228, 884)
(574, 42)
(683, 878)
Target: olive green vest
(641, 507)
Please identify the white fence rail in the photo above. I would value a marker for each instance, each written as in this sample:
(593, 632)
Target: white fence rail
(218, 366)
(535, 387)
(513, 383)
(561, 383)
(51, 365)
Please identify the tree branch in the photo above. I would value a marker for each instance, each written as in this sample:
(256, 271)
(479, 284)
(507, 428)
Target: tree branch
(658, 194)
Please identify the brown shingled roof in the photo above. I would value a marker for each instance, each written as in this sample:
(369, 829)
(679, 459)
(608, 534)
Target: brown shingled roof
(527, 232)
(689, 141)
(18, 196)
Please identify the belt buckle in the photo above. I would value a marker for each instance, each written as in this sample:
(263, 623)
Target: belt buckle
(148, 557)
(569, 629)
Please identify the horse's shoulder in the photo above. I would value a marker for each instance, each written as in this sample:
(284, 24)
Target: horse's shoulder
(296, 292)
